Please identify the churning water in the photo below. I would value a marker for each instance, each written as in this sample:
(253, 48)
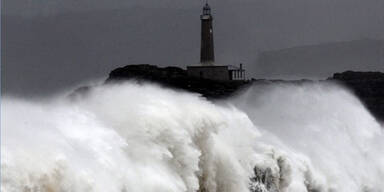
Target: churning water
(144, 138)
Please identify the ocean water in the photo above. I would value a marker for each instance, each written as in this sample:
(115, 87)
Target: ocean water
(144, 138)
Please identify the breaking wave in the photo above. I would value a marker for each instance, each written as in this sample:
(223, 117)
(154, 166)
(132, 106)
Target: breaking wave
(137, 138)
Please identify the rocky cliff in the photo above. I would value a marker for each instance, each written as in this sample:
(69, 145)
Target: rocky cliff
(176, 77)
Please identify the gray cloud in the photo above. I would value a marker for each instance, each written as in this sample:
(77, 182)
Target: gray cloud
(52, 44)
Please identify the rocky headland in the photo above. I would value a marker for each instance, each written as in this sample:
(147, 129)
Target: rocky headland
(368, 86)
(175, 77)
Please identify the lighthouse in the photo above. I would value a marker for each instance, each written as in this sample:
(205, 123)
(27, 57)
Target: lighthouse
(206, 69)
(207, 54)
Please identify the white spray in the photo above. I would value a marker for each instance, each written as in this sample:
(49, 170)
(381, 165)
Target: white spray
(131, 137)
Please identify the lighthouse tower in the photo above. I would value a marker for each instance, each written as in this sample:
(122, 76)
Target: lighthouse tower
(206, 69)
(207, 54)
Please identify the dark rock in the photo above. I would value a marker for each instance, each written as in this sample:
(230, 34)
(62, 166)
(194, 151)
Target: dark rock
(176, 77)
(368, 86)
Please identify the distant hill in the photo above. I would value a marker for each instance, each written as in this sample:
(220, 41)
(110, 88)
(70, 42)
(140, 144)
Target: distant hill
(322, 60)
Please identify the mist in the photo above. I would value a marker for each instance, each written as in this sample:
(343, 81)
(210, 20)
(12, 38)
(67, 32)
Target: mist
(141, 137)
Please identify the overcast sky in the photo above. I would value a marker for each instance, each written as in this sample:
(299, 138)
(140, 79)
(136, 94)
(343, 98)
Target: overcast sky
(48, 45)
